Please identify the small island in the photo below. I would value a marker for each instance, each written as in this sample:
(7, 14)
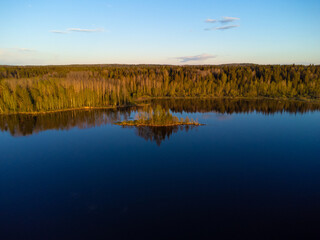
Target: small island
(158, 117)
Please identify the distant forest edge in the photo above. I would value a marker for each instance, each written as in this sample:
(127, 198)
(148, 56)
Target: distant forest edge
(49, 88)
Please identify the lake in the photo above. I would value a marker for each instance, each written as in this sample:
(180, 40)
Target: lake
(252, 171)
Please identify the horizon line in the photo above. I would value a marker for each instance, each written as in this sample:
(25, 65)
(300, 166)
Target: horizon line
(156, 64)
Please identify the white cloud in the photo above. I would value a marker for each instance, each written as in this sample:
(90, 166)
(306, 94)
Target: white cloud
(223, 20)
(59, 32)
(25, 49)
(85, 30)
(17, 55)
(77, 30)
(209, 20)
(27, 56)
(226, 27)
(201, 57)
(228, 19)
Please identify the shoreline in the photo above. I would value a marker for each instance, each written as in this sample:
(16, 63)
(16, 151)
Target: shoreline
(72, 109)
(309, 100)
(302, 100)
(132, 124)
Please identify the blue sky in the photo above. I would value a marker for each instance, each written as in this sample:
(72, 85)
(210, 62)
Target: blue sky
(159, 32)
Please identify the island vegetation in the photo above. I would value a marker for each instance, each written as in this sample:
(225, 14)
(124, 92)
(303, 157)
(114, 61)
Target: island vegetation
(157, 117)
(37, 89)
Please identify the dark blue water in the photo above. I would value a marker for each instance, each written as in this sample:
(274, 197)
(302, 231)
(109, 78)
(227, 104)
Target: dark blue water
(242, 175)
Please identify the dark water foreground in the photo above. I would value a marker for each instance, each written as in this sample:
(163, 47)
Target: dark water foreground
(253, 171)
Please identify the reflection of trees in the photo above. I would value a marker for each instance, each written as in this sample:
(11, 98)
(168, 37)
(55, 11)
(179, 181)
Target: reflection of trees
(159, 134)
(22, 125)
(265, 106)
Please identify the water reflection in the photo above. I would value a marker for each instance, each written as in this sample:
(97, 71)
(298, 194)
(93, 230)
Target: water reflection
(230, 106)
(159, 134)
(23, 125)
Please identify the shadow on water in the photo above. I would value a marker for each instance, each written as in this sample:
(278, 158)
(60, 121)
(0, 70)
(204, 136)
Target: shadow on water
(230, 106)
(159, 134)
(23, 125)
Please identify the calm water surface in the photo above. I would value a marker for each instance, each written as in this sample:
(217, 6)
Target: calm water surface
(253, 171)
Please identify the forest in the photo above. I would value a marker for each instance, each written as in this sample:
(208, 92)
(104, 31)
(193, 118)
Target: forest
(32, 89)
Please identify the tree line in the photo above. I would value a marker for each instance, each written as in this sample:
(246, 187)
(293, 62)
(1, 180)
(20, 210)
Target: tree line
(50, 88)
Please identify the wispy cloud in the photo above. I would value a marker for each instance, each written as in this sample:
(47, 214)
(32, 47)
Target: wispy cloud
(228, 19)
(78, 30)
(222, 28)
(19, 49)
(222, 21)
(209, 20)
(85, 30)
(59, 32)
(200, 57)
(26, 56)
(25, 49)
(227, 27)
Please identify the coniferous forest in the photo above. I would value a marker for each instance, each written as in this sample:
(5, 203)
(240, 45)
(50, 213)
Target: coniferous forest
(50, 88)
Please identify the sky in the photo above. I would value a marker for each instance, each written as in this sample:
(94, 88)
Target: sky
(175, 32)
